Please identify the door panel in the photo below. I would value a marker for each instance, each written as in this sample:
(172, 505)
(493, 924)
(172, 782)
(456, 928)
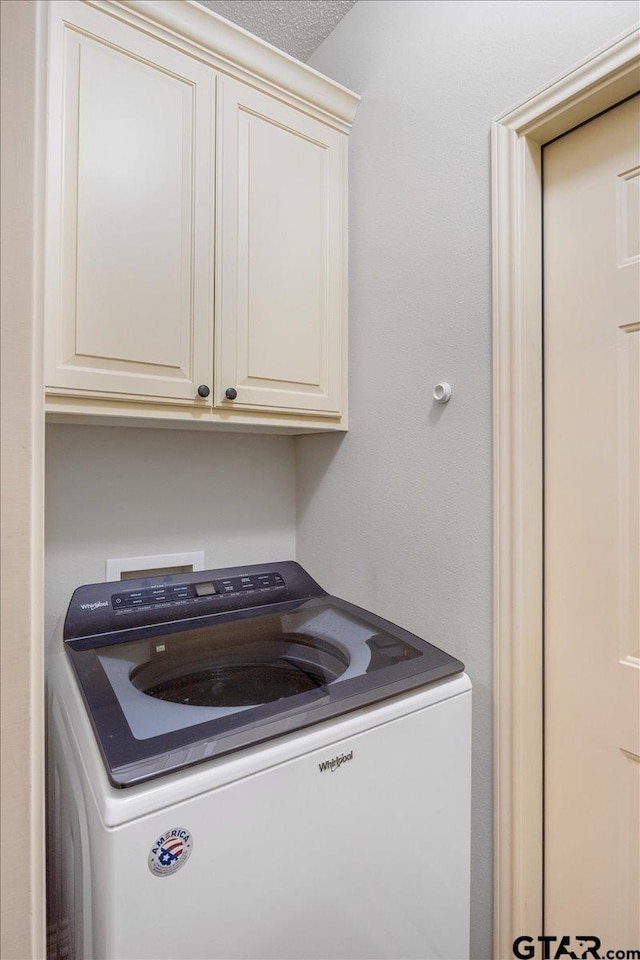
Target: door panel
(134, 309)
(592, 532)
(281, 230)
(280, 241)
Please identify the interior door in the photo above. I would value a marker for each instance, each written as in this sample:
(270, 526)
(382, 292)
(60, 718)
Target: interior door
(129, 296)
(281, 295)
(592, 533)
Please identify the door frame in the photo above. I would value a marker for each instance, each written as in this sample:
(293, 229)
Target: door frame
(22, 874)
(608, 76)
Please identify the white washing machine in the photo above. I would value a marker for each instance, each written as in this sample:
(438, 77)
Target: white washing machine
(241, 765)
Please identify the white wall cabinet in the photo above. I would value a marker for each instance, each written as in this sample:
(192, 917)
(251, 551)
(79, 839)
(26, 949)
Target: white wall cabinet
(195, 223)
(280, 330)
(131, 216)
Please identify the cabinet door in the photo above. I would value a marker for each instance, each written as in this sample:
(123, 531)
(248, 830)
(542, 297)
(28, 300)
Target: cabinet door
(129, 297)
(280, 318)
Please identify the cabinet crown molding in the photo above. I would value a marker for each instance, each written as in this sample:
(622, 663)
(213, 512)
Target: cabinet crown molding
(249, 57)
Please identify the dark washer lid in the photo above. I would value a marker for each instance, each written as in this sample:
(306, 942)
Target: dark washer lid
(164, 696)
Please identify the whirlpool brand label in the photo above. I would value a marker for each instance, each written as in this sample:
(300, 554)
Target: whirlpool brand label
(170, 852)
(330, 766)
(94, 606)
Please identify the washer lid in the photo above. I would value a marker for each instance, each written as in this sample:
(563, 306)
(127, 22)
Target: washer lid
(181, 693)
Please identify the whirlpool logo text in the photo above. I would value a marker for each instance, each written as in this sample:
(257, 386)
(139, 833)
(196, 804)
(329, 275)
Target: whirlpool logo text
(335, 763)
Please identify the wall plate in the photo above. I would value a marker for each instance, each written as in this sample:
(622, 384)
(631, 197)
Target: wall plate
(127, 568)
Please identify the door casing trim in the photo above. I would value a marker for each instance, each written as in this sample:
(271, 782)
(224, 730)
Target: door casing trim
(517, 137)
(22, 930)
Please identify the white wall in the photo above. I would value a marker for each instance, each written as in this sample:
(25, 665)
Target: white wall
(118, 492)
(397, 515)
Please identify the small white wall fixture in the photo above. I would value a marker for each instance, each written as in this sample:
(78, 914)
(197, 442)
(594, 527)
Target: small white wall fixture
(607, 77)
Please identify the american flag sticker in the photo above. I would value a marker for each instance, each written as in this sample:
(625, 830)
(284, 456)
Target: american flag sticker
(170, 852)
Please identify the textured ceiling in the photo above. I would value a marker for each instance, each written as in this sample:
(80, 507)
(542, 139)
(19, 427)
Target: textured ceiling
(296, 26)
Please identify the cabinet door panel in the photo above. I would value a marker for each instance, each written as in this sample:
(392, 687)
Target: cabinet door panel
(132, 311)
(280, 302)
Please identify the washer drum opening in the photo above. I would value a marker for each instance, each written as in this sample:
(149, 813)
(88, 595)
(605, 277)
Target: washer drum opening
(243, 676)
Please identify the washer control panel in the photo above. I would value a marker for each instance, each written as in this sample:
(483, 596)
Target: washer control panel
(180, 592)
(106, 608)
